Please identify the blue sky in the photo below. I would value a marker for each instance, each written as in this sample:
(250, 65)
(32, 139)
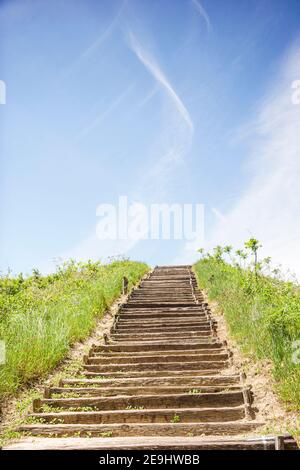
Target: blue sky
(176, 101)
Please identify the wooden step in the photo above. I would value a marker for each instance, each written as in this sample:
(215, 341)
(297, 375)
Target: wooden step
(156, 443)
(193, 380)
(101, 359)
(135, 303)
(192, 310)
(166, 340)
(146, 331)
(232, 398)
(157, 366)
(185, 415)
(159, 336)
(137, 390)
(210, 343)
(165, 308)
(149, 373)
(144, 429)
(169, 353)
(141, 316)
(149, 324)
(137, 297)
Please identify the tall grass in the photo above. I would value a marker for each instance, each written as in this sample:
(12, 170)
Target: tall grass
(263, 314)
(42, 316)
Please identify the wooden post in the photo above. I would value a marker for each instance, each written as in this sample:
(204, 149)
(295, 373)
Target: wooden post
(105, 337)
(125, 285)
(37, 405)
(47, 392)
(85, 359)
(279, 443)
(246, 395)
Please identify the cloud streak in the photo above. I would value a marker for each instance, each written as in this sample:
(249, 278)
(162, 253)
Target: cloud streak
(105, 35)
(269, 206)
(99, 119)
(202, 12)
(161, 79)
(171, 146)
(94, 46)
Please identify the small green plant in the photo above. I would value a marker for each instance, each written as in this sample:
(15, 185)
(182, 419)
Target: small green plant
(25, 404)
(175, 419)
(253, 245)
(106, 434)
(195, 391)
(65, 395)
(131, 407)
(218, 252)
(60, 409)
(242, 256)
(9, 434)
(56, 421)
(34, 420)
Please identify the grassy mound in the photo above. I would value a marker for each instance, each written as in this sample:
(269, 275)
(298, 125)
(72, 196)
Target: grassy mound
(263, 314)
(42, 316)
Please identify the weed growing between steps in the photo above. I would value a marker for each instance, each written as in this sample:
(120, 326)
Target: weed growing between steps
(262, 312)
(41, 317)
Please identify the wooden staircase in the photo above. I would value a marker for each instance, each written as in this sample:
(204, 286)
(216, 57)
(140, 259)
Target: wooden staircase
(159, 381)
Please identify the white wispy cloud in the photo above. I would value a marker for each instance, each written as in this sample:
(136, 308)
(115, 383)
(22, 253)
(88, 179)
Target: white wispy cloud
(220, 217)
(95, 122)
(176, 135)
(152, 66)
(269, 208)
(104, 35)
(95, 45)
(172, 145)
(202, 12)
(149, 96)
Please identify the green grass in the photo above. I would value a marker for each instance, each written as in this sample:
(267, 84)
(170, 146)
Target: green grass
(41, 317)
(263, 315)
